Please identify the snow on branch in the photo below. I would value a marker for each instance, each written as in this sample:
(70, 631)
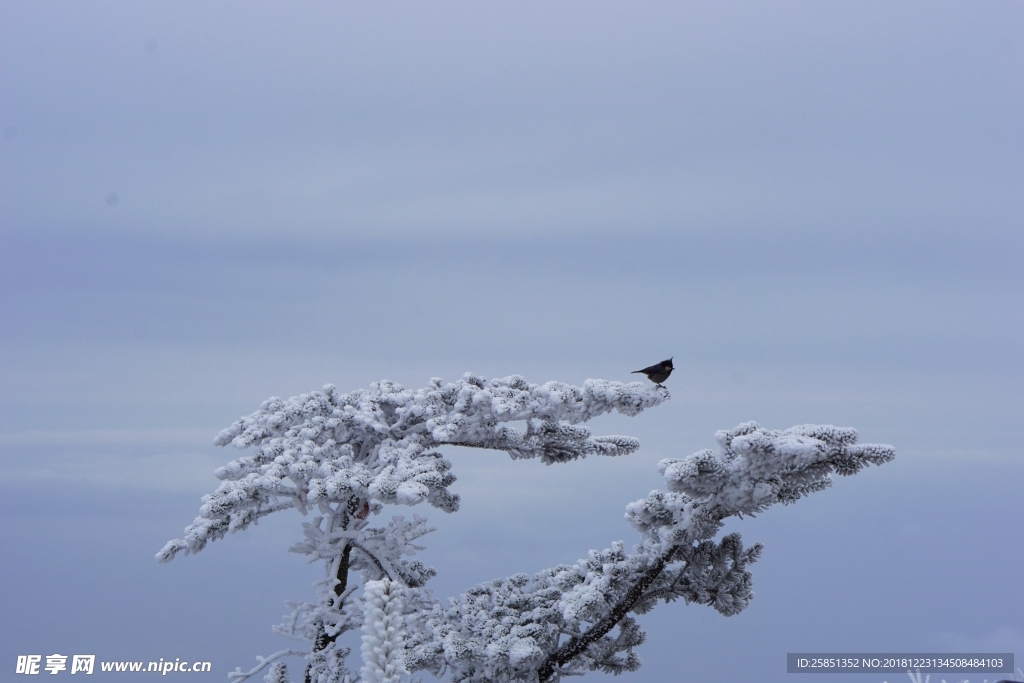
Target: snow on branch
(383, 633)
(560, 621)
(376, 445)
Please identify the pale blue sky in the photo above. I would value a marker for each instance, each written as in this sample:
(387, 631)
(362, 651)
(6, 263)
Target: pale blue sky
(815, 208)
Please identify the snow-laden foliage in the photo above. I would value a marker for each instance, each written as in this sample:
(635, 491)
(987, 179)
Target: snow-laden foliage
(561, 620)
(343, 457)
(383, 632)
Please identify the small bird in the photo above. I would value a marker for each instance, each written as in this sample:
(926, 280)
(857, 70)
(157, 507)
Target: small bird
(659, 372)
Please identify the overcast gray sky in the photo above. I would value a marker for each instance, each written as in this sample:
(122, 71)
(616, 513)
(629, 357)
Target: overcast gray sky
(814, 207)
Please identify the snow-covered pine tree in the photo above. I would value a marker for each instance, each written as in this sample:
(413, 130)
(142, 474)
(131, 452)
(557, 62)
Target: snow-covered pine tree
(344, 457)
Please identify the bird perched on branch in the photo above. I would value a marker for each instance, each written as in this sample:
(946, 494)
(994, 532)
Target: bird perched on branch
(659, 372)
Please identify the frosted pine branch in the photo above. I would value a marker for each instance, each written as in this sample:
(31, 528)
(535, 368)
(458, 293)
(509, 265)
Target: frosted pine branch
(562, 619)
(383, 633)
(326, 448)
